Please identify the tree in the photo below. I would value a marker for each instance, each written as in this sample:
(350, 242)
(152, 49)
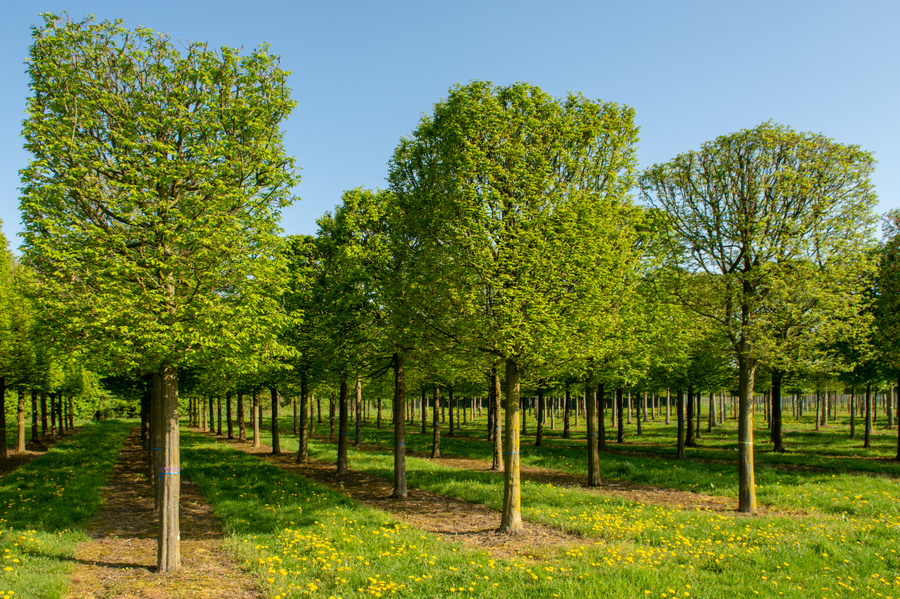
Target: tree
(887, 301)
(6, 334)
(151, 202)
(519, 204)
(745, 210)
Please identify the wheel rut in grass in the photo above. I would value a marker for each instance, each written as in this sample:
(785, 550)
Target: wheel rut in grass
(120, 558)
(473, 525)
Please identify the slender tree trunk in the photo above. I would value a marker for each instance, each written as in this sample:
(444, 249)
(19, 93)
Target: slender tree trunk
(746, 474)
(378, 414)
(539, 415)
(305, 419)
(712, 412)
(399, 412)
(679, 417)
(343, 409)
(43, 414)
(852, 413)
(450, 406)
(690, 442)
(867, 441)
(640, 426)
(668, 406)
(601, 422)
(358, 409)
(898, 416)
(436, 423)
(276, 434)
(511, 515)
(567, 406)
(228, 419)
(698, 414)
(20, 422)
(777, 428)
(242, 427)
(168, 555)
(592, 447)
(818, 409)
(620, 438)
(331, 409)
(34, 416)
(497, 461)
(212, 415)
(255, 416)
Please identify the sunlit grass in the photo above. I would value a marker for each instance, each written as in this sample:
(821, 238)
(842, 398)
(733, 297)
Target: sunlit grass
(43, 504)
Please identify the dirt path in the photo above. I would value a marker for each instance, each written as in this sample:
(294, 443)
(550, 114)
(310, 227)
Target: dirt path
(120, 560)
(471, 524)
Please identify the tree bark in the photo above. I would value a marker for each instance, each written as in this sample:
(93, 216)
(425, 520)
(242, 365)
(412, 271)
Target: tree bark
(399, 412)
(539, 415)
(497, 452)
(358, 409)
(20, 422)
(255, 416)
(436, 423)
(679, 417)
(601, 423)
(511, 515)
(4, 451)
(242, 427)
(228, 419)
(305, 417)
(567, 405)
(452, 431)
(620, 437)
(668, 406)
(777, 424)
(219, 414)
(168, 555)
(590, 393)
(867, 441)
(43, 414)
(690, 442)
(343, 409)
(276, 434)
(712, 412)
(34, 415)
(746, 474)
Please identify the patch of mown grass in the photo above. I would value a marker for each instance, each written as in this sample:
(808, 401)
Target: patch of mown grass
(43, 503)
(663, 552)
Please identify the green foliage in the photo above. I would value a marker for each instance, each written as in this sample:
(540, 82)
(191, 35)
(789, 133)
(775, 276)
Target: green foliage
(517, 204)
(151, 201)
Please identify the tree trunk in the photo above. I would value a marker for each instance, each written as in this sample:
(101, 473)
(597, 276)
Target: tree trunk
(34, 416)
(305, 418)
(4, 451)
(168, 555)
(212, 415)
(601, 423)
(43, 414)
(712, 412)
(358, 409)
(399, 412)
(567, 405)
(690, 442)
(539, 415)
(867, 441)
(620, 437)
(228, 419)
(590, 393)
(242, 427)
(146, 398)
(898, 416)
(436, 423)
(378, 414)
(852, 413)
(498, 429)
(255, 416)
(20, 422)
(276, 434)
(331, 409)
(777, 421)
(668, 406)
(343, 415)
(511, 515)
(679, 416)
(746, 474)
(450, 407)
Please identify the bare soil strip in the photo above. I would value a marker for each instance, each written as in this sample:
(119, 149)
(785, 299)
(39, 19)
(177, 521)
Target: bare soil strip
(120, 560)
(473, 525)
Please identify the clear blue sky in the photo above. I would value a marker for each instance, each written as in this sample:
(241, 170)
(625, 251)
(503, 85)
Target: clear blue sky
(365, 71)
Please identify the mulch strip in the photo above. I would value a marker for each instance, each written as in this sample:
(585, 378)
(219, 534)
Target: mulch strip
(120, 560)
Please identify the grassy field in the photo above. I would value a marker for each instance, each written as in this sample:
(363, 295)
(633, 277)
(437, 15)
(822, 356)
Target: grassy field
(43, 504)
(830, 528)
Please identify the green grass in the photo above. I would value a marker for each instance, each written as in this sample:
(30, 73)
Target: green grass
(43, 504)
(627, 549)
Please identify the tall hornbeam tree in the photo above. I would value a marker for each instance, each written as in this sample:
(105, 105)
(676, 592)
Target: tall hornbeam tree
(518, 204)
(750, 210)
(151, 201)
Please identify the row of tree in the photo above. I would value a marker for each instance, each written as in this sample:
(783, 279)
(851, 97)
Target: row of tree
(508, 251)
